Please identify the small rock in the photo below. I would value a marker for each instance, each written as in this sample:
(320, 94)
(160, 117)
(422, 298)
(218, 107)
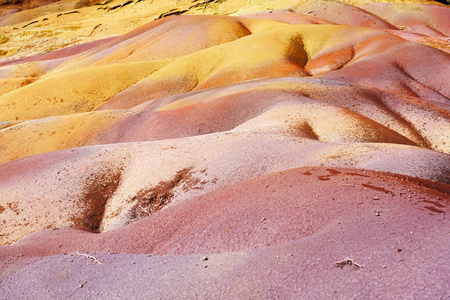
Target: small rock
(377, 214)
(384, 267)
(204, 258)
(376, 198)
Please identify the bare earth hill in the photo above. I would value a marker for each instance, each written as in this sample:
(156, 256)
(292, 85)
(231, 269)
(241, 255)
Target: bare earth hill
(224, 149)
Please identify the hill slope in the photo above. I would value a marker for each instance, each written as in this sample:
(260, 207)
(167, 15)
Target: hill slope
(256, 149)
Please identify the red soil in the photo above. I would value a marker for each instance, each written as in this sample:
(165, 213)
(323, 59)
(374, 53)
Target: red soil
(266, 211)
(297, 152)
(295, 225)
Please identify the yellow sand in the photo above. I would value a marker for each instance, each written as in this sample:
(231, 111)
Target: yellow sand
(96, 22)
(73, 92)
(52, 134)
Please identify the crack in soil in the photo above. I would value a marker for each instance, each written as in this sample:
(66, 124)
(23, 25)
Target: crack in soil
(99, 189)
(150, 200)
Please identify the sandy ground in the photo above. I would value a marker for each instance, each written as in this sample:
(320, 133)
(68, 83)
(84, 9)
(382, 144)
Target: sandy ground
(224, 149)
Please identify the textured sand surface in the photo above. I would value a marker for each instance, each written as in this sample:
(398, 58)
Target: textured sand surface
(224, 149)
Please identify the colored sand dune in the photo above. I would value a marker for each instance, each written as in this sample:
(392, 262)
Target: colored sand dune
(224, 149)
